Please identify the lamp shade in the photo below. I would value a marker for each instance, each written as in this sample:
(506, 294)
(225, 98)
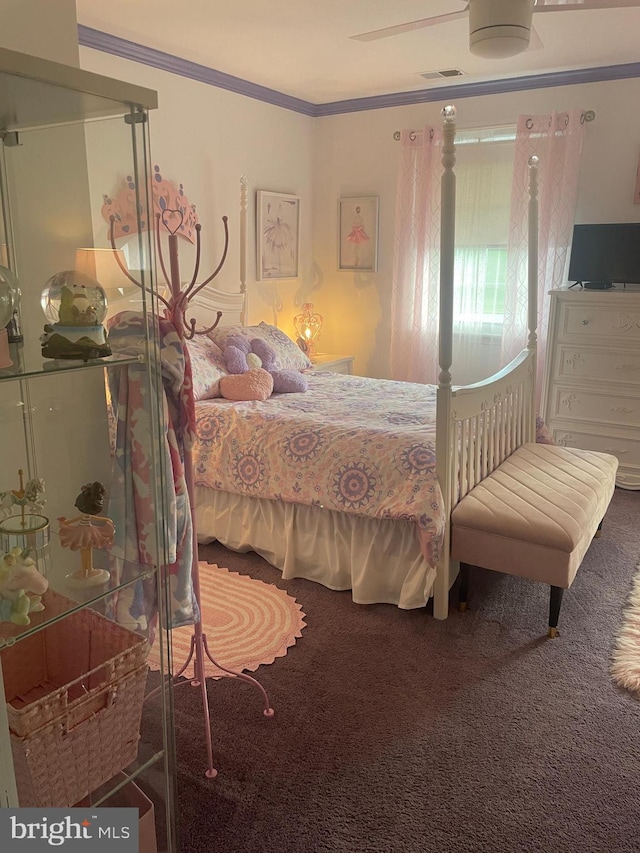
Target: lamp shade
(101, 265)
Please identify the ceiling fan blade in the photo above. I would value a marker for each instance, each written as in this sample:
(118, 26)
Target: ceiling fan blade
(574, 5)
(410, 26)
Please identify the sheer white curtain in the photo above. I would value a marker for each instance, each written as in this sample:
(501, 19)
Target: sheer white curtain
(484, 169)
(490, 298)
(556, 140)
(414, 302)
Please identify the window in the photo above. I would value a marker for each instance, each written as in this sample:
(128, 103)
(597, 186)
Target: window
(484, 171)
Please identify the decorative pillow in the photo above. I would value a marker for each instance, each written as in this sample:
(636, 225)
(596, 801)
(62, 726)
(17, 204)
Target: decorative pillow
(289, 381)
(255, 384)
(207, 367)
(288, 354)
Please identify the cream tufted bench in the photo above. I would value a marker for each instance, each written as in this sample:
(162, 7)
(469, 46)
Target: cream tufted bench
(534, 517)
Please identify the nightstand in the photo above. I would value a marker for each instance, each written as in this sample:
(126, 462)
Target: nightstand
(333, 363)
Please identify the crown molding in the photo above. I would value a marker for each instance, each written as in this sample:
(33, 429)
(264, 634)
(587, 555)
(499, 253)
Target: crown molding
(107, 43)
(98, 40)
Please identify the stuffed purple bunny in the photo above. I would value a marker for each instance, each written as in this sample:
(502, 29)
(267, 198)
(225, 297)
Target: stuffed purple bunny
(242, 354)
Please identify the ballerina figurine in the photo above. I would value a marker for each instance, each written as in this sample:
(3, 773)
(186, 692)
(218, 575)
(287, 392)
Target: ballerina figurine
(86, 532)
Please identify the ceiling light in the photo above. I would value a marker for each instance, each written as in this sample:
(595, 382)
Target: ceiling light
(499, 28)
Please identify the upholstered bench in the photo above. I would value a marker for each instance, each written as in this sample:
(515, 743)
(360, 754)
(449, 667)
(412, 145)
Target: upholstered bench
(534, 517)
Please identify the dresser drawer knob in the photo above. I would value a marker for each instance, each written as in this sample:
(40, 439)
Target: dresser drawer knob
(585, 322)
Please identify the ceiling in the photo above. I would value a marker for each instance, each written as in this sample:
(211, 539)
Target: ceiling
(303, 48)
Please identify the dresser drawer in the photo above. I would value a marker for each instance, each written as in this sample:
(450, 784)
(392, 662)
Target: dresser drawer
(626, 450)
(581, 319)
(595, 405)
(591, 365)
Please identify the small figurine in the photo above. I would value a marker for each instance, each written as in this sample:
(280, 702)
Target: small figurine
(86, 532)
(21, 587)
(28, 497)
(27, 528)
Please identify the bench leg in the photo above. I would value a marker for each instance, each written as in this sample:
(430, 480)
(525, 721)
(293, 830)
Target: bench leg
(598, 532)
(555, 603)
(463, 589)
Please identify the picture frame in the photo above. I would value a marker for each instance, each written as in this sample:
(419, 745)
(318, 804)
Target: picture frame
(636, 192)
(358, 233)
(277, 235)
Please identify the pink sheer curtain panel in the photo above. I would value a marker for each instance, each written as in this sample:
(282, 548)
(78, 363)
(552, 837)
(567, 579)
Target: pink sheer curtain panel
(414, 302)
(557, 140)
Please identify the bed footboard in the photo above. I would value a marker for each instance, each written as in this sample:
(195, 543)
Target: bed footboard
(485, 423)
(489, 420)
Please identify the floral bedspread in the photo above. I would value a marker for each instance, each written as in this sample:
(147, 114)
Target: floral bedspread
(351, 444)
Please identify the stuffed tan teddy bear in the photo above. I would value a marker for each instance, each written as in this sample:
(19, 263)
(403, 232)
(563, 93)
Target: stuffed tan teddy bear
(243, 355)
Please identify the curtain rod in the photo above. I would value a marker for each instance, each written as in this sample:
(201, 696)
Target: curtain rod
(589, 115)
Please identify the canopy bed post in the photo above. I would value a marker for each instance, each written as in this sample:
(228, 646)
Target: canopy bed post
(445, 353)
(532, 278)
(175, 310)
(477, 426)
(243, 248)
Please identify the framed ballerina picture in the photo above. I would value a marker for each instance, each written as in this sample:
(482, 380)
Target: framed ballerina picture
(278, 233)
(358, 234)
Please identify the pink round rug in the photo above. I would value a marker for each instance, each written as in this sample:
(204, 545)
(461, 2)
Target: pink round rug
(247, 623)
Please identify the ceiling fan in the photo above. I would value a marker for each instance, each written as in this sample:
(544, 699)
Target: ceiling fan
(498, 28)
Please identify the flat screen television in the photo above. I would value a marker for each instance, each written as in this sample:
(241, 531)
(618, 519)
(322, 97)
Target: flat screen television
(602, 255)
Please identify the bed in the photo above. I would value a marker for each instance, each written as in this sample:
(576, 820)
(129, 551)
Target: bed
(352, 483)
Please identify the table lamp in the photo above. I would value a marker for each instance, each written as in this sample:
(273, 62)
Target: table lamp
(308, 326)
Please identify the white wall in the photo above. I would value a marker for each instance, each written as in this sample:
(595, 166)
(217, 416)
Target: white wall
(357, 155)
(206, 138)
(45, 28)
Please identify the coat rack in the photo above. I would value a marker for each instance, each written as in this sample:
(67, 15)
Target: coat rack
(176, 307)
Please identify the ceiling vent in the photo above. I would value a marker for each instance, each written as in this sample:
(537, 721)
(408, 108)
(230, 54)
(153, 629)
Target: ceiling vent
(437, 75)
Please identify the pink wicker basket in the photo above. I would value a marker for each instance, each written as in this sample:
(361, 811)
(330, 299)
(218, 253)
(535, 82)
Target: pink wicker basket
(74, 695)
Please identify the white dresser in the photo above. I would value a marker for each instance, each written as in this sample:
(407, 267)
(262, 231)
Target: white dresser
(591, 387)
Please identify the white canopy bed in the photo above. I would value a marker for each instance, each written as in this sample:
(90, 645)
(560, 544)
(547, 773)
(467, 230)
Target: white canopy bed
(382, 554)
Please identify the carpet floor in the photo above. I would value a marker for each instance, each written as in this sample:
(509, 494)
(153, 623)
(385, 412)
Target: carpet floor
(396, 733)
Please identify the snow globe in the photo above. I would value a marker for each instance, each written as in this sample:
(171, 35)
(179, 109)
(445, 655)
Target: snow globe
(75, 306)
(9, 300)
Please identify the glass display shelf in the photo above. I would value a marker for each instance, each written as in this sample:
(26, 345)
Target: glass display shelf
(37, 92)
(62, 599)
(70, 139)
(142, 786)
(45, 367)
(140, 766)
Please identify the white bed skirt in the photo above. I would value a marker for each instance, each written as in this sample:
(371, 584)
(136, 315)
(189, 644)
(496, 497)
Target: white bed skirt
(379, 560)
